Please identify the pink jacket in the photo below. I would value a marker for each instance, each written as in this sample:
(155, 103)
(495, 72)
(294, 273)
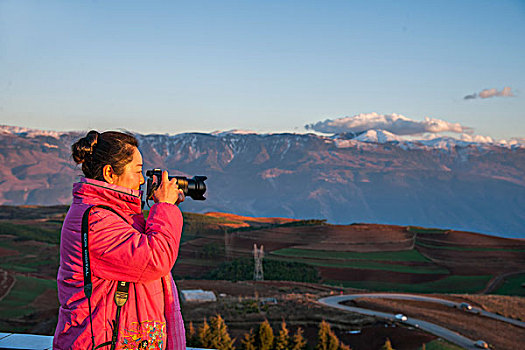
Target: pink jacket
(139, 251)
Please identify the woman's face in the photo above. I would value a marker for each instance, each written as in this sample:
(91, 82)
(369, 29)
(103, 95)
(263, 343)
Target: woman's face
(132, 176)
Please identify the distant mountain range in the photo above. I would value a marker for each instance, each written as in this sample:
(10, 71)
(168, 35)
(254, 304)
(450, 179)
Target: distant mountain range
(374, 176)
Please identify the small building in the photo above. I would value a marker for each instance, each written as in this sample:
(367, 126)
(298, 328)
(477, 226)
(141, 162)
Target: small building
(267, 301)
(197, 296)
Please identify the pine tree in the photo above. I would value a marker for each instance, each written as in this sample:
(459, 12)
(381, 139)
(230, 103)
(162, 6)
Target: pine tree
(333, 341)
(343, 346)
(283, 339)
(387, 345)
(220, 338)
(323, 336)
(192, 340)
(204, 335)
(299, 343)
(248, 342)
(326, 338)
(265, 336)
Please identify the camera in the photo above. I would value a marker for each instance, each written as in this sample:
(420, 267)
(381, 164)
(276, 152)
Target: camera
(194, 187)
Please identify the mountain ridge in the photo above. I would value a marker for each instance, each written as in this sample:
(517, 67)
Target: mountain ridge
(369, 136)
(465, 186)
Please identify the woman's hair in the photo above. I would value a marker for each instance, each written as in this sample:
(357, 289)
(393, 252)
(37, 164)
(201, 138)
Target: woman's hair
(95, 150)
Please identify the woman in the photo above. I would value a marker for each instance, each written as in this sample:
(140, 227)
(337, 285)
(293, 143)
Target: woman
(122, 247)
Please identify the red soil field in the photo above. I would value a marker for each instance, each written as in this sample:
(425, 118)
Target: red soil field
(472, 253)
(246, 221)
(7, 252)
(470, 239)
(356, 238)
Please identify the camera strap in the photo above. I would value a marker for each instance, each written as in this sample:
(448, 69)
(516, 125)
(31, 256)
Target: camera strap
(121, 295)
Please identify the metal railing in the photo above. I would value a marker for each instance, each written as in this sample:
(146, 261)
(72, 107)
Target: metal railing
(25, 341)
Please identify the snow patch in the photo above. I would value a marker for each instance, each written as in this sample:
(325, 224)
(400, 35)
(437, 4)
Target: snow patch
(234, 132)
(17, 130)
(378, 136)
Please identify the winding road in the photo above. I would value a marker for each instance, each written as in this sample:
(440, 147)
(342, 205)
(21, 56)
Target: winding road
(439, 331)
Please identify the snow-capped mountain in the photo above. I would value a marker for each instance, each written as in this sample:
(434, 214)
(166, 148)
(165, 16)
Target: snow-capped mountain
(374, 176)
(436, 142)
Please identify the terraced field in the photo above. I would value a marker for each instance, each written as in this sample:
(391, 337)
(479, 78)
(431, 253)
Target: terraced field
(358, 256)
(410, 259)
(405, 255)
(365, 256)
(512, 286)
(448, 284)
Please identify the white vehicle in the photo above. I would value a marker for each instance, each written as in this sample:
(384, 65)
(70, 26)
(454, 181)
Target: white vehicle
(401, 317)
(481, 344)
(465, 306)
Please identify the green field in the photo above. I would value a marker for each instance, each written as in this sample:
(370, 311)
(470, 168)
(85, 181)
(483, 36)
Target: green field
(26, 289)
(29, 256)
(17, 267)
(198, 262)
(512, 286)
(440, 344)
(404, 255)
(423, 230)
(449, 284)
(23, 265)
(31, 232)
(370, 265)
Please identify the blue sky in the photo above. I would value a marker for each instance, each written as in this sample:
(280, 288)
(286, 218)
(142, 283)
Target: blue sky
(267, 66)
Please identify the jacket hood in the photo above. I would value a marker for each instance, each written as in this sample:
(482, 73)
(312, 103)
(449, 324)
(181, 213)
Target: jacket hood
(94, 192)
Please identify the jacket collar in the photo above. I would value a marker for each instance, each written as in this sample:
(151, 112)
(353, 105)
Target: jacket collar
(94, 192)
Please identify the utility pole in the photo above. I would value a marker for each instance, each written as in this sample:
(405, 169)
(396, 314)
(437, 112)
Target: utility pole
(258, 255)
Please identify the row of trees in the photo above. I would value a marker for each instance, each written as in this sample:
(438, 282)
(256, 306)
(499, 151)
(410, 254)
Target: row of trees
(242, 269)
(214, 335)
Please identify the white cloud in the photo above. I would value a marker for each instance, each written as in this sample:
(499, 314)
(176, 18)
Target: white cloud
(394, 123)
(487, 93)
(476, 138)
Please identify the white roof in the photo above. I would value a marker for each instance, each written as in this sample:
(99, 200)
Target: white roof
(198, 295)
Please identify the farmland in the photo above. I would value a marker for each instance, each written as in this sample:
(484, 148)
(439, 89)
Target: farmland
(512, 285)
(332, 258)
(374, 257)
(406, 255)
(449, 284)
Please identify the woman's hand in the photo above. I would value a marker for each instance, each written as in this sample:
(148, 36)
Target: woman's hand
(168, 191)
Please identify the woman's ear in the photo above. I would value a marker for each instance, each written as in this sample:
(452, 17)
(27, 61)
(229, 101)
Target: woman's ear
(108, 174)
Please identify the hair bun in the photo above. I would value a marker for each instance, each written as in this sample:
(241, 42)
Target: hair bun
(83, 148)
